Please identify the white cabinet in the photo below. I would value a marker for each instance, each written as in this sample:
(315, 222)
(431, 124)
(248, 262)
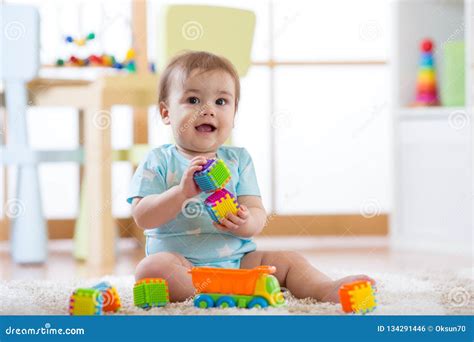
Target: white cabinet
(433, 145)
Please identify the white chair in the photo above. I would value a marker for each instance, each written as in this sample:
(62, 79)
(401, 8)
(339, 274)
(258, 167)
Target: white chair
(19, 63)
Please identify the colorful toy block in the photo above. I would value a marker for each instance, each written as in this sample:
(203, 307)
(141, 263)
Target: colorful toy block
(220, 203)
(111, 300)
(150, 292)
(357, 297)
(214, 175)
(85, 302)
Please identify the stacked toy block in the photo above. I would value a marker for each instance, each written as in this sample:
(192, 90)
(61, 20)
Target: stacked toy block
(213, 178)
(101, 298)
(220, 203)
(426, 88)
(151, 292)
(357, 297)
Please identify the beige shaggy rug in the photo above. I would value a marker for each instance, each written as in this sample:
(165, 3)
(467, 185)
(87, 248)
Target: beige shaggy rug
(398, 294)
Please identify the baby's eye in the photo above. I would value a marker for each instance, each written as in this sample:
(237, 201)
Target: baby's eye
(193, 100)
(221, 102)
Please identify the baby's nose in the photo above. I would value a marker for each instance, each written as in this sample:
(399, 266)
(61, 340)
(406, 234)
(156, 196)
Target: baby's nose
(207, 110)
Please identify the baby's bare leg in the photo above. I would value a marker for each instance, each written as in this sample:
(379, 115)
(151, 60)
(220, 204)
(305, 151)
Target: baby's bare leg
(171, 266)
(296, 274)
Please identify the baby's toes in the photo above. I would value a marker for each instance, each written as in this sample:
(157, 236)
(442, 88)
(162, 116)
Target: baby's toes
(357, 277)
(364, 277)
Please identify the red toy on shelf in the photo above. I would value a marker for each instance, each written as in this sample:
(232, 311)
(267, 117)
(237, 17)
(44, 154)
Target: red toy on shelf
(426, 88)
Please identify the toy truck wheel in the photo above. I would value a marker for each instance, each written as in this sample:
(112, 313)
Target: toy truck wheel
(203, 301)
(258, 302)
(225, 302)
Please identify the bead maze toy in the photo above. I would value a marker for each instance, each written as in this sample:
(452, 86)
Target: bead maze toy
(357, 297)
(85, 301)
(212, 179)
(426, 89)
(151, 292)
(94, 60)
(104, 60)
(242, 288)
(80, 41)
(96, 300)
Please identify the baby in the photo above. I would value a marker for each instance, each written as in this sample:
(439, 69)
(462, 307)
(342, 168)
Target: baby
(198, 97)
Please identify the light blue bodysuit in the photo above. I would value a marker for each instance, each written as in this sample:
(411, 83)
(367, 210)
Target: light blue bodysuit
(191, 233)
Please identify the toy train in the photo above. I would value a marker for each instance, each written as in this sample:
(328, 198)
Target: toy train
(242, 288)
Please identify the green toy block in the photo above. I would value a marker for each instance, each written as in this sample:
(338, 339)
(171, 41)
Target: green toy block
(150, 292)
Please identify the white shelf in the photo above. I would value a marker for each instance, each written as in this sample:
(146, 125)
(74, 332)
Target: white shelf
(429, 113)
(440, 20)
(432, 205)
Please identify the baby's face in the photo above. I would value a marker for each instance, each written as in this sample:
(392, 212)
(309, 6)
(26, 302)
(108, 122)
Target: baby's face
(201, 110)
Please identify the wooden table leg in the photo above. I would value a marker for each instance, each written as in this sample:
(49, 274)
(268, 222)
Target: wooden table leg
(98, 171)
(140, 136)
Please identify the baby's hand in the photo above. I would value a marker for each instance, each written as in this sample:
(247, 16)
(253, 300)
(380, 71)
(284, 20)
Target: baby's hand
(234, 222)
(187, 185)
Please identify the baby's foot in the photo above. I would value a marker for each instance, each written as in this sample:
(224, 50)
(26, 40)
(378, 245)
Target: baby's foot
(330, 291)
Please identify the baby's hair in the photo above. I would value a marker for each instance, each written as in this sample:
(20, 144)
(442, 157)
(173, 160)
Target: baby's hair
(188, 61)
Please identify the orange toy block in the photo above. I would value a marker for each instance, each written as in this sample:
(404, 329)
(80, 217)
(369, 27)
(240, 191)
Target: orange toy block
(357, 297)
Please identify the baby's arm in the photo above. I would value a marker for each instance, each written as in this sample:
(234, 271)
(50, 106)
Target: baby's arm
(250, 219)
(155, 210)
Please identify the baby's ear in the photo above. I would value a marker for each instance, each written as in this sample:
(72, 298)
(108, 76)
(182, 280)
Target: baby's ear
(164, 112)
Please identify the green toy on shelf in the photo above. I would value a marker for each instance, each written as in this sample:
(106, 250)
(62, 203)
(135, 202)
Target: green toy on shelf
(151, 292)
(453, 88)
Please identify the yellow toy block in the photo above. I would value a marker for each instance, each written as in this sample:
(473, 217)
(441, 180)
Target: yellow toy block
(85, 302)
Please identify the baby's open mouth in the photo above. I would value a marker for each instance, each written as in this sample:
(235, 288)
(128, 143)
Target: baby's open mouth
(206, 128)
